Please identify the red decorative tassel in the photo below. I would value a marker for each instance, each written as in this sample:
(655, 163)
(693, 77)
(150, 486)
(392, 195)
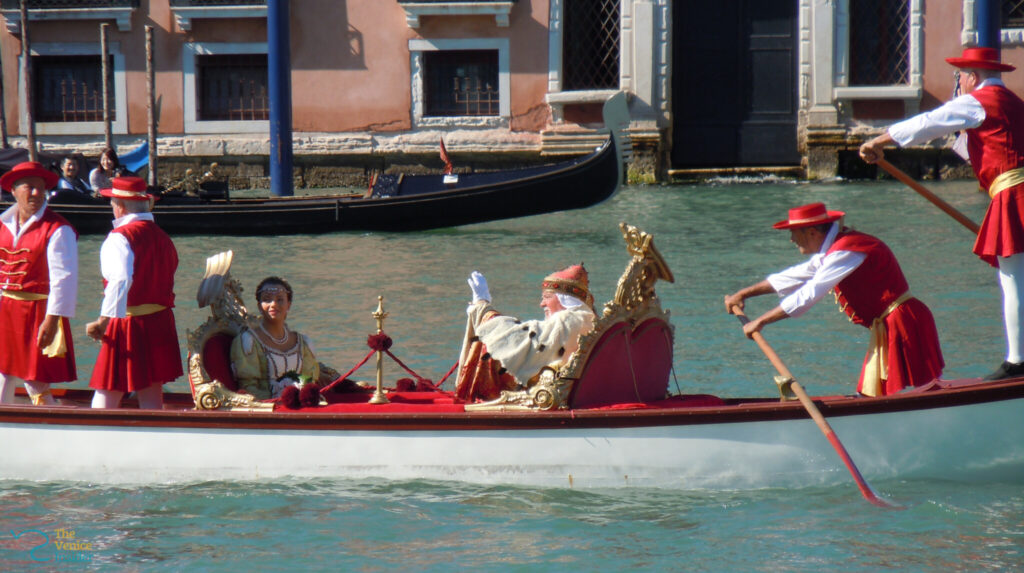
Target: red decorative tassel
(290, 398)
(405, 385)
(379, 342)
(309, 395)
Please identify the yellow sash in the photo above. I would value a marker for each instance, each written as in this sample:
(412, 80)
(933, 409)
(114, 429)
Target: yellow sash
(21, 295)
(1005, 180)
(57, 347)
(877, 367)
(144, 309)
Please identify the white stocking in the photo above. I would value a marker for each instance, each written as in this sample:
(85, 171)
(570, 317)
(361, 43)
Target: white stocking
(40, 391)
(151, 397)
(107, 398)
(1011, 279)
(8, 384)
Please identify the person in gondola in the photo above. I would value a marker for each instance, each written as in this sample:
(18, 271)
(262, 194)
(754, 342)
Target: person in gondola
(991, 119)
(501, 352)
(270, 358)
(140, 351)
(102, 176)
(69, 179)
(869, 287)
(39, 287)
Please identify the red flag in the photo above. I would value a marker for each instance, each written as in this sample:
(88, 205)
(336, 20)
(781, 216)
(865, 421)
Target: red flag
(444, 157)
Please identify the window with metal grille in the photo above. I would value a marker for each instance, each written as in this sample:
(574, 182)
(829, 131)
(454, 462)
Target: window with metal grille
(460, 82)
(590, 45)
(70, 88)
(231, 87)
(879, 42)
(1013, 13)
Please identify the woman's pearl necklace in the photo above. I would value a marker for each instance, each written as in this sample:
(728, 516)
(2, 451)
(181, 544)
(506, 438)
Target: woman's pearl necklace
(278, 341)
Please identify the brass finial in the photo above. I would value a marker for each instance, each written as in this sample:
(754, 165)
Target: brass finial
(379, 397)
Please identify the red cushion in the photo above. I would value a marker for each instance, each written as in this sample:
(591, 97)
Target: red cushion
(217, 360)
(626, 366)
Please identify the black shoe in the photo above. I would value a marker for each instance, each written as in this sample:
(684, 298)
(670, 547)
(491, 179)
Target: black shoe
(1007, 370)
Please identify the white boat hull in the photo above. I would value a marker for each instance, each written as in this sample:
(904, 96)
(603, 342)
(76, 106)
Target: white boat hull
(983, 441)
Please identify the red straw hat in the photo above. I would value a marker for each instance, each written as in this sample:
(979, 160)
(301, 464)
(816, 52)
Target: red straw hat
(130, 188)
(808, 216)
(572, 281)
(28, 169)
(981, 58)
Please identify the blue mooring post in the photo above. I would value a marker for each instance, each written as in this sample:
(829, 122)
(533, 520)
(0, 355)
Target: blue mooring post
(279, 75)
(989, 23)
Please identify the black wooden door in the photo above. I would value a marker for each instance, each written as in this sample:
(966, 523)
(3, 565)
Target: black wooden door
(734, 83)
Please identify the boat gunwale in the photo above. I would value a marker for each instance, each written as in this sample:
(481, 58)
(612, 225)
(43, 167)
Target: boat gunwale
(735, 410)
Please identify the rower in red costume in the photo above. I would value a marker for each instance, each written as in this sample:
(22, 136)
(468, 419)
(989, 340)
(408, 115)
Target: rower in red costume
(869, 286)
(504, 353)
(140, 351)
(39, 286)
(991, 120)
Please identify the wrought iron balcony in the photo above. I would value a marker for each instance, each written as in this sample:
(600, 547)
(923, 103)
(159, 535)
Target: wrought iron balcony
(187, 10)
(416, 8)
(49, 10)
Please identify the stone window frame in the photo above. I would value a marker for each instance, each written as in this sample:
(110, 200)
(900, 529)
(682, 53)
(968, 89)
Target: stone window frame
(416, 82)
(118, 123)
(911, 92)
(1008, 37)
(188, 69)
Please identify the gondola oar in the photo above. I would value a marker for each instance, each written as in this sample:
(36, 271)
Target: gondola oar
(865, 489)
(924, 192)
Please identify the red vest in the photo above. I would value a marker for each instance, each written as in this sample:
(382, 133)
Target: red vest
(866, 292)
(156, 259)
(997, 145)
(25, 267)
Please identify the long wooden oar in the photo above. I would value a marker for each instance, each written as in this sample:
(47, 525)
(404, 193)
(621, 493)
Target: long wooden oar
(935, 199)
(865, 489)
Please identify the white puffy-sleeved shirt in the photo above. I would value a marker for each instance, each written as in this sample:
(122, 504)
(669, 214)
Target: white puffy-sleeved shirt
(117, 265)
(802, 286)
(964, 112)
(61, 258)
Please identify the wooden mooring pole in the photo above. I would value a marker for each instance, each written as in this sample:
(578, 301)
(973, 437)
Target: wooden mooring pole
(26, 78)
(151, 105)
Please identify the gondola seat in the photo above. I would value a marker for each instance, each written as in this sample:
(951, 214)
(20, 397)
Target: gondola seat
(625, 365)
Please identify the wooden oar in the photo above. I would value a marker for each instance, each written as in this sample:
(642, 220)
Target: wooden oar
(935, 199)
(865, 489)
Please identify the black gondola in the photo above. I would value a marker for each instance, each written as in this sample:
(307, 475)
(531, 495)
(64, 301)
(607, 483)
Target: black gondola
(407, 203)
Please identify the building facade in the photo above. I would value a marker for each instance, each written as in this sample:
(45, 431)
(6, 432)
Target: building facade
(374, 83)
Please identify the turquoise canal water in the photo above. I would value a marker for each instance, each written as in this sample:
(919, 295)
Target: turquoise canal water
(716, 238)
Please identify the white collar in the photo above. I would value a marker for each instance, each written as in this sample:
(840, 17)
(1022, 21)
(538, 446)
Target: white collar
(131, 217)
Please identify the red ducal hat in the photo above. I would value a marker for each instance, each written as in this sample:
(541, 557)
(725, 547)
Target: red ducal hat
(808, 216)
(981, 58)
(129, 188)
(572, 281)
(28, 169)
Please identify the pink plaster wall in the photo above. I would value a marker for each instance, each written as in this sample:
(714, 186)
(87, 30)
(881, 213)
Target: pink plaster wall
(350, 61)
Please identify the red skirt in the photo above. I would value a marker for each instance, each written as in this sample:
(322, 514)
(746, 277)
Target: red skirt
(20, 355)
(1002, 231)
(915, 357)
(138, 352)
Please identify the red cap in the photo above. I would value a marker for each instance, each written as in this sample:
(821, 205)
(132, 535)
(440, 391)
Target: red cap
(28, 169)
(808, 216)
(981, 58)
(130, 188)
(572, 281)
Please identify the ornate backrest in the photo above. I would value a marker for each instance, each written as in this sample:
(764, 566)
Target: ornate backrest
(209, 347)
(626, 358)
